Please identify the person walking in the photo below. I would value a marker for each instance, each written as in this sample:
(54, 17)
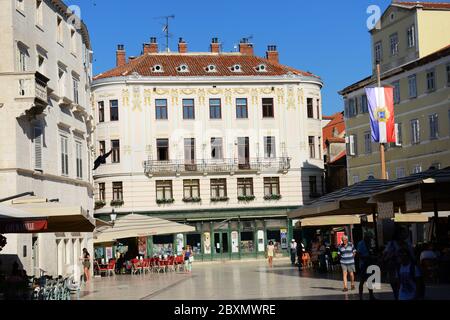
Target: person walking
(347, 254)
(270, 253)
(410, 278)
(293, 251)
(86, 261)
(191, 258)
(365, 256)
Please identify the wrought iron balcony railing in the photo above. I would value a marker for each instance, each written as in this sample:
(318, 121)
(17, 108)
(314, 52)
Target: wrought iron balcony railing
(152, 167)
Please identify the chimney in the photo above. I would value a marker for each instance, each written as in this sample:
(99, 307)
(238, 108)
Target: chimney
(151, 47)
(215, 45)
(182, 46)
(245, 47)
(121, 58)
(272, 54)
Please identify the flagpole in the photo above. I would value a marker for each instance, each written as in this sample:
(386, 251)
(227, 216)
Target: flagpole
(382, 154)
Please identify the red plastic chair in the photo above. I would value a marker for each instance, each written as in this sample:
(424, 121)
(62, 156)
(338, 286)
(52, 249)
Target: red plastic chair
(100, 269)
(146, 265)
(136, 266)
(111, 267)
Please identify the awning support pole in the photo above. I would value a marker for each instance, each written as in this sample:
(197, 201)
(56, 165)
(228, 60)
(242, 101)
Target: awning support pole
(375, 227)
(17, 196)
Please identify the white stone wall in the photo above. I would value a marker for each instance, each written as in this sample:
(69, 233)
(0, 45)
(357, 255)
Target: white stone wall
(17, 174)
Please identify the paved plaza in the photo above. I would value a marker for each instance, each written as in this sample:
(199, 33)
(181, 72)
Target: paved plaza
(231, 280)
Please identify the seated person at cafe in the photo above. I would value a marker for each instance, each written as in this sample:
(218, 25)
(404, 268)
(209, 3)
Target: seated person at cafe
(120, 264)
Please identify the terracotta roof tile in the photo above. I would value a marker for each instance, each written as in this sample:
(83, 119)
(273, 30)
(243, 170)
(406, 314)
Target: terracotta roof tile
(197, 64)
(425, 5)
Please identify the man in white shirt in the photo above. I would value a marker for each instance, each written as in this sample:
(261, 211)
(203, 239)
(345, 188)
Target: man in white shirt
(293, 251)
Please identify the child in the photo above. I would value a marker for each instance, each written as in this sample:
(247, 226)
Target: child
(410, 278)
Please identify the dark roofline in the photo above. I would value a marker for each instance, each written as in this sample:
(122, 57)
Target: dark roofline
(411, 65)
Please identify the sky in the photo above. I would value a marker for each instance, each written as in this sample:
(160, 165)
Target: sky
(328, 38)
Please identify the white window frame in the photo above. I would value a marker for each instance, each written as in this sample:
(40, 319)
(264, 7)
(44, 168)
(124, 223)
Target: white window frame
(64, 152)
(378, 48)
(412, 86)
(431, 80)
(434, 126)
(272, 153)
(79, 158)
(352, 150)
(22, 59)
(411, 36)
(394, 43)
(76, 91)
(415, 131)
(38, 139)
(397, 97)
(367, 142)
(398, 135)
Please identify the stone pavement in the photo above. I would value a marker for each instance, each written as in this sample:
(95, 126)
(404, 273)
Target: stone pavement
(234, 280)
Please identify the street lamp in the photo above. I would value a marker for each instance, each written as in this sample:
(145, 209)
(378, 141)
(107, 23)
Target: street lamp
(113, 217)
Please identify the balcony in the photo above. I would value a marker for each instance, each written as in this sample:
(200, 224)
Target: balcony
(231, 166)
(32, 89)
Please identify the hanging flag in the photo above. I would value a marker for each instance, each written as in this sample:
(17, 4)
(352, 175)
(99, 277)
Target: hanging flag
(381, 110)
(101, 160)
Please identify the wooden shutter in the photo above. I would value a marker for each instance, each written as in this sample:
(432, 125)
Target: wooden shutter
(38, 148)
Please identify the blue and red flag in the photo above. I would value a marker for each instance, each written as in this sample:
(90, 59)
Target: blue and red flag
(381, 110)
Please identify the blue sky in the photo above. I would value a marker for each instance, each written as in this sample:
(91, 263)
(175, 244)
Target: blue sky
(328, 38)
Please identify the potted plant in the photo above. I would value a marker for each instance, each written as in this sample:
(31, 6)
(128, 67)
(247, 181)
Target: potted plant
(165, 201)
(100, 204)
(273, 197)
(246, 198)
(194, 199)
(220, 199)
(117, 203)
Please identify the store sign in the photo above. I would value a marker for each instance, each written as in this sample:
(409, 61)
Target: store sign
(413, 200)
(385, 210)
(261, 247)
(23, 226)
(234, 242)
(207, 242)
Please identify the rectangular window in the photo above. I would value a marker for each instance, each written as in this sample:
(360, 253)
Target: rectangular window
(115, 147)
(368, 142)
(60, 30)
(102, 147)
(191, 189)
(431, 81)
(215, 109)
(39, 13)
(355, 179)
(162, 146)
(164, 190)
(394, 44)
(244, 153)
(216, 148)
(434, 126)
(101, 111)
(415, 131)
(378, 52)
(73, 41)
(64, 156)
(320, 147)
(269, 147)
(22, 59)
(312, 186)
(364, 104)
(114, 110)
(400, 173)
(318, 108)
(310, 108)
(271, 186)
(312, 147)
(412, 85)
(267, 106)
(352, 150)
(102, 191)
(398, 135)
(396, 85)
(436, 165)
(20, 4)
(79, 155)
(241, 108)
(447, 69)
(351, 107)
(38, 139)
(41, 64)
(411, 35)
(61, 82)
(76, 83)
(117, 191)
(245, 187)
(188, 109)
(161, 109)
(218, 188)
(189, 151)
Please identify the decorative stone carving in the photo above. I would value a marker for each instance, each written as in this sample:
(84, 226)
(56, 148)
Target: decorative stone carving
(148, 97)
(291, 98)
(137, 99)
(202, 96)
(161, 92)
(280, 95)
(125, 97)
(254, 94)
(188, 91)
(215, 91)
(174, 95)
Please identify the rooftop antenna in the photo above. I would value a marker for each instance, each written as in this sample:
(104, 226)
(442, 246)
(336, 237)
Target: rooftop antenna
(166, 29)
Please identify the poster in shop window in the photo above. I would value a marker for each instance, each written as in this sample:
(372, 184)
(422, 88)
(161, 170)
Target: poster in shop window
(234, 242)
(180, 243)
(207, 242)
(142, 245)
(261, 247)
(284, 244)
(109, 253)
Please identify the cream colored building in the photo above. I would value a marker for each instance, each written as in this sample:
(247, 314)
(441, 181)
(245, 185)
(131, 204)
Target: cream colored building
(45, 77)
(415, 60)
(226, 142)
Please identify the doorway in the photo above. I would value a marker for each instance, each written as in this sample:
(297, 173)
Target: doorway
(221, 245)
